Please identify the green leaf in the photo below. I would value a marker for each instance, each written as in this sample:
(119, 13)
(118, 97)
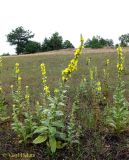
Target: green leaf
(40, 129)
(52, 130)
(40, 139)
(52, 142)
(58, 124)
(61, 135)
(59, 113)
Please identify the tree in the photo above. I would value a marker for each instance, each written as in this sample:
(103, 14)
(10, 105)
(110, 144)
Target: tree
(67, 44)
(32, 47)
(124, 40)
(46, 45)
(19, 37)
(98, 42)
(55, 42)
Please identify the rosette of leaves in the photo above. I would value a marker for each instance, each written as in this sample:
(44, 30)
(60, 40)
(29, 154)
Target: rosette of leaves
(117, 116)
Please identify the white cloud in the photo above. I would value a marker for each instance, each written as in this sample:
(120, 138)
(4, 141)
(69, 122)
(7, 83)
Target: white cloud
(107, 18)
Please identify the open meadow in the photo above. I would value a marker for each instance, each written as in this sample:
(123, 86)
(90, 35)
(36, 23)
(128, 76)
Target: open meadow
(78, 114)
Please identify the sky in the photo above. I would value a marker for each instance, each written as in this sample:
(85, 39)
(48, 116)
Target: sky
(106, 18)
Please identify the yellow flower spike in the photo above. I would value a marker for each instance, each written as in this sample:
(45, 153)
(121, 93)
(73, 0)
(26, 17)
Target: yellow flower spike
(43, 69)
(120, 61)
(19, 78)
(27, 95)
(46, 90)
(98, 86)
(107, 61)
(17, 64)
(56, 90)
(119, 50)
(72, 66)
(17, 70)
(44, 79)
(0, 89)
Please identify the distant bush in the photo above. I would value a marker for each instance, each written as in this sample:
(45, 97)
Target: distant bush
(32, 47)
(98, 42)
(67, 44)
(5, 54)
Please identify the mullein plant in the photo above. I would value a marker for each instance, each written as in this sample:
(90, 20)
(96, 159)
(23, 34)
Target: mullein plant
(50, 116)
(120, 62)
(88, 61)
(117, 115)
(74, 128)
(18, 99)
(22, 117)
(90, 91)
(51, 128)
(106, 86)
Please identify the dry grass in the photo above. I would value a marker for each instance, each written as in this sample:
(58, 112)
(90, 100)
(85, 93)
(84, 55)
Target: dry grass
(70, 51)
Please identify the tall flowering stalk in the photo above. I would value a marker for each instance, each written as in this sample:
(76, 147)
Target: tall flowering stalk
(120, 61)
(18, 77)
(72, 66)
(17, 93)
(44, 80)
(27, 97)
(106, 85)
(98, 88)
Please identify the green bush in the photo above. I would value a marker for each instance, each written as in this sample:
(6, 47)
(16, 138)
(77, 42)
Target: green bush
(32, 47)
(67, 44)
(98, 42)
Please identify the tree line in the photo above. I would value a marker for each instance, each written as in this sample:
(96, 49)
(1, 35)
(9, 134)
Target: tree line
(21, 39)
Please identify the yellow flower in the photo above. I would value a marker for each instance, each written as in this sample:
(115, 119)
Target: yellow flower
(98, 86)
(43, 68)
(46, 90)
(56, 90)
(17, 71)
(119, 50)
(120, 61)
(44, 79)
(72, 66)
(17, 64)
(19, 78)
(0, 89)
(107, 61)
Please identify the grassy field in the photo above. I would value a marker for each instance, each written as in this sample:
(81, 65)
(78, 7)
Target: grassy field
(55, 62)
(95, 143)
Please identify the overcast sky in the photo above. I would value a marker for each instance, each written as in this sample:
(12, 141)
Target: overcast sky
(107, 18)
